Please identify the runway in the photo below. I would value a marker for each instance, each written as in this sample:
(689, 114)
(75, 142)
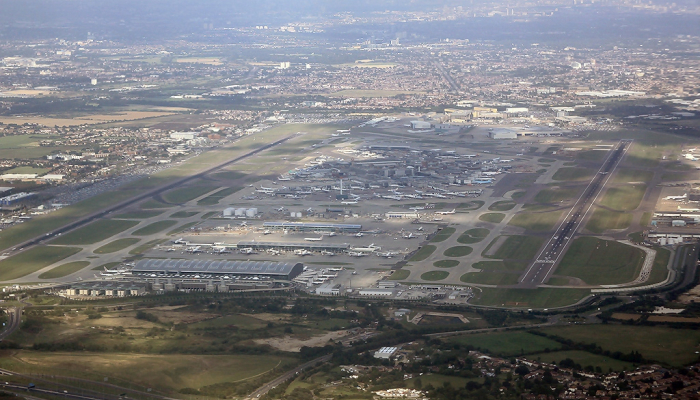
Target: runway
(546, 261)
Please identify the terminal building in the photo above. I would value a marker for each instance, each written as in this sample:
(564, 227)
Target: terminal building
(311, 246)
(216, 269)
(312, 227)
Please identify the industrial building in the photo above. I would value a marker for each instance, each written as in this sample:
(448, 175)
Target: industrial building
(385, 352)
(112, 289)
(502, 133)
(16, 198)
(312, 227)
(198, 268)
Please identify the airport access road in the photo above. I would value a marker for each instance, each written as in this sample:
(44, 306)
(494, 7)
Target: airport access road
(550, 255)
(14, 317)
(284, 377)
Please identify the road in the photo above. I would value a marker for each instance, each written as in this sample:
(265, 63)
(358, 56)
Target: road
(14, 318)
(286, 376)
(551, 253)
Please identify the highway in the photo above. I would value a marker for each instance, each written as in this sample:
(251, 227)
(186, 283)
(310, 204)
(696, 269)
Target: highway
(14, 318)
(546, 261)
(286, 376)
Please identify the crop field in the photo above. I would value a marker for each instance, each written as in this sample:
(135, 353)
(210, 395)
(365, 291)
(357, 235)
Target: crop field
(458, 251)
(119, 244)
(529, 298)
(474, 235)
(508, 344)
(519, 247)
(601, 262)
(138, 214)
(95, 232)
(557, 194)
(674, 347)
(573, 174)
(504, 205)
(446, 263)
(603, 219)
(33, 260)
(624, 198)
(443, 235)
(423, 253)
(434, 275)
(154, 227)
(64, 270)
(536, 221)
(494, 218)
(490, 278)
(185, 194)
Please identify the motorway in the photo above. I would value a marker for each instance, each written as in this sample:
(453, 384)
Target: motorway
(286, 376)
(14, 317)
(546, 261)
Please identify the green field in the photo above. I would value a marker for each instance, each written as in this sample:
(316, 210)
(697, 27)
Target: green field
(138, 215)
(109, 265)
(458, 251)
(434, 275)
(27, 170)
(490, 278)
(591, 155)
(504, 205)
(472, 205)
(603, 219)
(64, 270)
(494, 218)
(624, 198)
(474, 235)
(674, 347)
(146, 246)
(536, 221)
(33, 260)
(573, 174)
(519, 247)
(586, 359)
(529, 298)
(630, 175)
(508, 344)
(152, 203)
(446, 263)
(185, 194)
(601, 262)
(154, 227)
(399, 275)
(95, 232)
(507, 265)
(182, 228)
(184, 214)
(119, 244)
(423, 253)
(438, 380)
(557, 194)
(442, 235)
(215, 197)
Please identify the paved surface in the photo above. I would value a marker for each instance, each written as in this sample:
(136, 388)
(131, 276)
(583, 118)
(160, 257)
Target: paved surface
(286, 376)
(14, 318)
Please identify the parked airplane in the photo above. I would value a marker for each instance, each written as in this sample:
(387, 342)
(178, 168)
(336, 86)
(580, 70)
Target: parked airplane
(446, 212)
(313, 239)
(246, 250)
(303, 252)
(677, 198)
(195, 249)
(359, 234)
(348, 202)
(327, 253)
(356, 254)
(369, 249)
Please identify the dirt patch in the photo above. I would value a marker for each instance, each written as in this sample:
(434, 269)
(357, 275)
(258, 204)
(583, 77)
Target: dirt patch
(291, 344)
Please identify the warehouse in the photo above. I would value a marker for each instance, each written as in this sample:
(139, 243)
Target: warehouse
(502, 133)
(312, 227)
(201, 268)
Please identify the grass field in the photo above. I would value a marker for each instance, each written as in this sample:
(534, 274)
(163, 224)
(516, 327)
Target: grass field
(27, 170)
(529, 298)
(624, 198)
(490, 278)
(603, 219)
(591, 155)
(182, 228)
(95, 232)
(64, 270)
(601, 262)
(494, 218)
(504, 205)
(458, 251)
(138, 215)
(508, 344)
(185, 194)
(399, 275)
(423, 253)
(519, 247)
(625, 175)
(152, 203)
(119, 244)
(536, 221)
(154, 227)
(474, 235)
(215, 197)
(146, 246)
(573, 174)
(446, 263)
(33, 260)
(438, 380)
(587, 359)
(184, 214)
(434, 275)
(109, 265)
(507, 265)
(556, 195)
(167, 373)
(472, 205)
(442, 235)
(674, 347)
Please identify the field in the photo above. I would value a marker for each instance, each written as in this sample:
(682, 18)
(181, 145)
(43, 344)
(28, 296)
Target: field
(184, 214)
(146, 246)
(152, 203)
(200, 60)
(434, 275)
(458, 251)
(472, 205)
(166, 373)
(675, 347)
(631, 175)
(442, 235)
(490, 278)
(154, 227)
(64, 270)
(185, 194)
(82, 120)
(116, 245)
(95, 232)
(215, 197)
(399, 275)
(556, 194)
(507, 265)
(27, 170)
(601, 262)
(182, 228)
(529, 298)
(33, 260)
(573, 174)
(474, 235)
(446, 263)
(536, 221)
(438, 380)
(494, 218)
(586, 359)
(508, 344)
(519, 247)
(624, 198)
(138, 214)
(603, 219)
(423, 253)
(504, 205)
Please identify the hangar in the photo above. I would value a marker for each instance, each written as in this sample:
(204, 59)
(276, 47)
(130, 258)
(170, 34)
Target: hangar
(216, 268)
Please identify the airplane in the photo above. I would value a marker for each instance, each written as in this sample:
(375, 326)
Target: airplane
(309, 210)
(348, 202)
(115, 271)
(677, 198)
(303, 252)
(313, 239)
(281, 209)
(416, 208)
(420, 228)
(331, 234)
(179, 241)
(195, 249)
(247, 250)
(170, 249)
(408, 236)
(221, 250)
(273, 252)
(356, 254)
(267, 232)
(327, 253)
(387, 254)
(243, 224)
(446, 212)
(359, 234)
(266, 191)
(369, 249)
